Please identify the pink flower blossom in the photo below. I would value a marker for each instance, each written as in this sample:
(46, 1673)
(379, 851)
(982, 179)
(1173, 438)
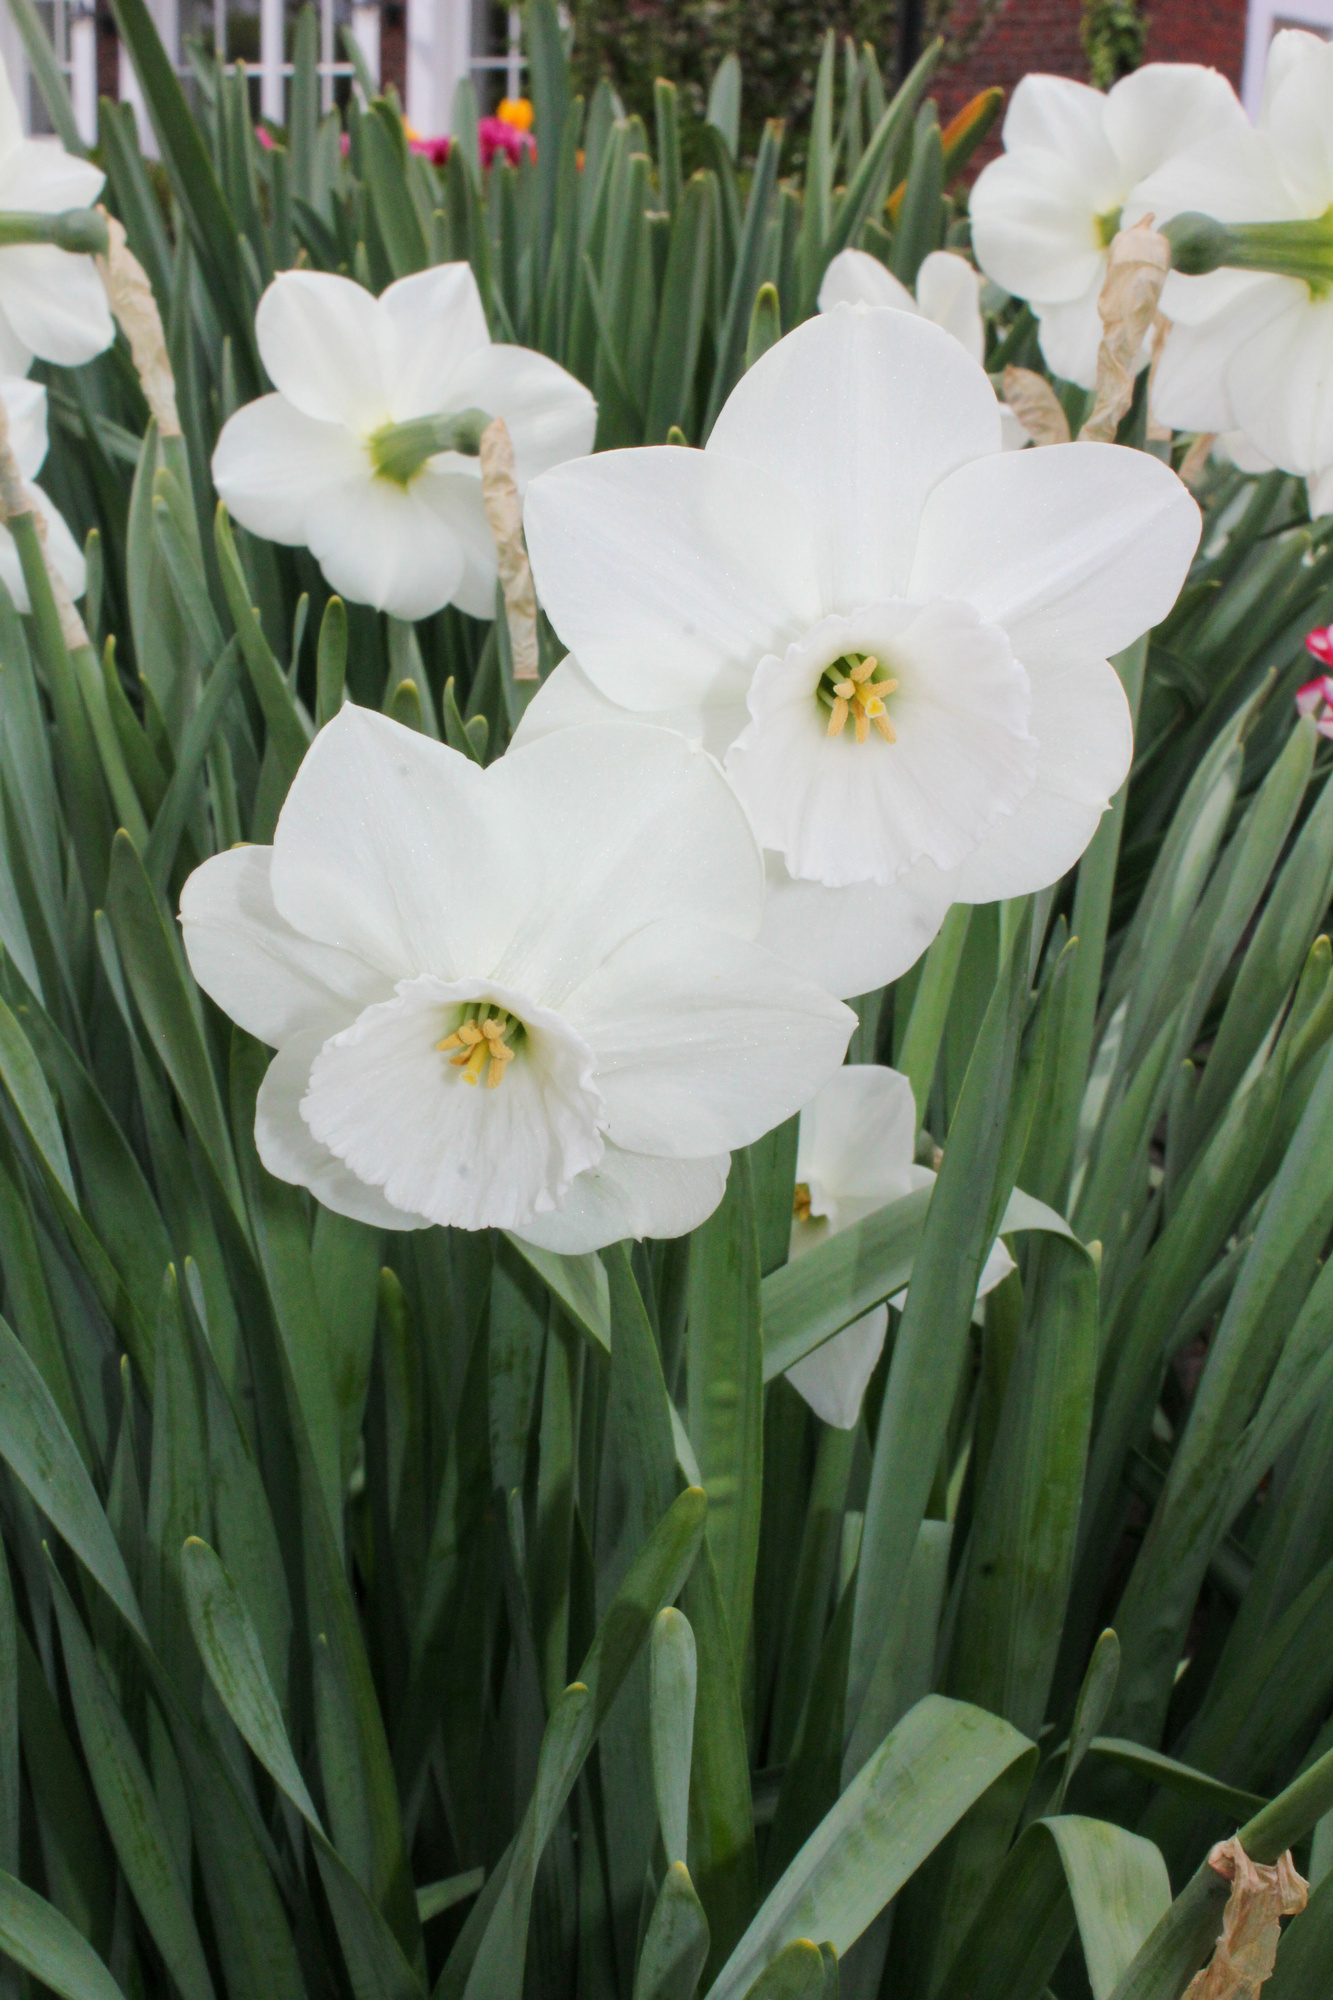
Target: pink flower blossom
(1320, 643)
(497, 135)
(434, 150)
(1316, 697)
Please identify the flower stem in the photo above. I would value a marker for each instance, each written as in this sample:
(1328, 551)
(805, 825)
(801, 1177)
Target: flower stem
(79, 230)
(1297, 249)
(400, 450)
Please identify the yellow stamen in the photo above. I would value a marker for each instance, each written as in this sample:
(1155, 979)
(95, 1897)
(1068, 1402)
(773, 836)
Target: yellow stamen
(479, 1042)
(846, 689)
(800, 1207)
(886, 729)
(475, 1063)
(862, 725)
(866, 668)
(837, 720)
(500, 1054)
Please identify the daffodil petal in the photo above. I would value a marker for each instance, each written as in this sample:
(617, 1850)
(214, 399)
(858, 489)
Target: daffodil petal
(1034, 224)
(387, 545)
(393, 848)
(632, 826)
(550, 416)
(855, 278)
(862, 413)
(833, 1378)
(328, 347)
(853, 940)
(269, 977)
(436, 322)
(1162, 109)
(272, 465)
(669, 572)
(55, 303)
(857, 1143)
(948, 291)
(1075, 549)
(630, 1195)
(290, 1152)
(703, 1041)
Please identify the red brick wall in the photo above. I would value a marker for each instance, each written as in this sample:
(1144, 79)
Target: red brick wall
(1046, 35)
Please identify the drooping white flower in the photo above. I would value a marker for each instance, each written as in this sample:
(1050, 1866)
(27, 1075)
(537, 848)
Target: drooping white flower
(1044, 214)
(1252, 350)
(893, 634)
(948, 291)
(25, 408)
(855, 1155)
(569, 932)
(343, 459)
(51, 302)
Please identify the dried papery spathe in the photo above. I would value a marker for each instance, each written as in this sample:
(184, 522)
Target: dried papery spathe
(130, 297)
(1136, 270)
(1036, 407)
(1261, 1895)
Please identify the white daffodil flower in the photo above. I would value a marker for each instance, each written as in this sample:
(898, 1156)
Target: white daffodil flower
(51, 302)
(1251, 349)
(1044, 214)
(25, 408)
(354, 457)
(948, 291)
(892, 633)
(522, 998)
(855, 1155)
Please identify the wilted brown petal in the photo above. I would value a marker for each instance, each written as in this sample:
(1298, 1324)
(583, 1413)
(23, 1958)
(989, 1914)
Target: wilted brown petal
(1247, 1949)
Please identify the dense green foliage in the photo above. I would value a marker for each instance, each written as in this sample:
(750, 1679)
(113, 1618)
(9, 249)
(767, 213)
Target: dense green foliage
(334, 1656)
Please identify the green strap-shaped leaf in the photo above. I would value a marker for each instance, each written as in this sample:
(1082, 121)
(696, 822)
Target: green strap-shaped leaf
(130, 1808)
(797, 1973)
(47, 1945)
(1061, 1873)
(234, 1662)
(229, 1646)
(155, 977)
(673, 1678)
(210, 223)
(675, 1943)
(654, 1579)
(579, 1283)
(941, 1757)
(43, 1456)
(966, 1202)
(1174, 1776)
(1011, 1611)
(725, 1376)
